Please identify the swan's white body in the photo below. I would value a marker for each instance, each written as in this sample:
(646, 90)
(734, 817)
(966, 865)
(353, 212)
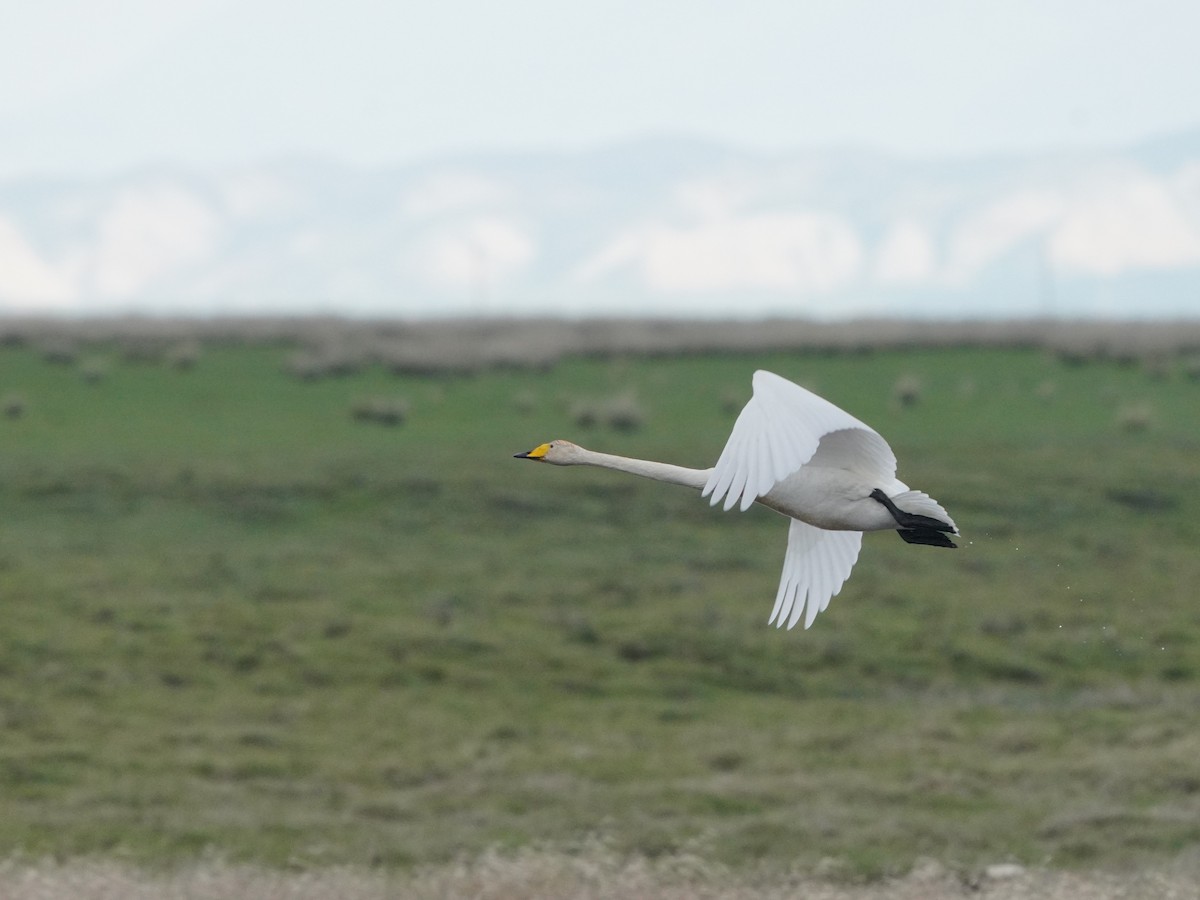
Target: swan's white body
(801, 456)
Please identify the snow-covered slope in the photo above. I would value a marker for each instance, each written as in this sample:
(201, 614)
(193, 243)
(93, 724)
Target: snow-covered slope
(657, 227)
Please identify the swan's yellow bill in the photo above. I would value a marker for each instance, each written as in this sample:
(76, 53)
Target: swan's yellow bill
(537, 452)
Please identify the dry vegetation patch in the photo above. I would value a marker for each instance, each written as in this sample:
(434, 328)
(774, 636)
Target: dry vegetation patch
(548, 875)
(334, 346)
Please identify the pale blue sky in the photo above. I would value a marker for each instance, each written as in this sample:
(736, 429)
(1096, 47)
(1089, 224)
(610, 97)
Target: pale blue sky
(89, 86)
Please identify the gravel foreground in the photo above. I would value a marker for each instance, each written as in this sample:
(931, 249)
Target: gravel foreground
(536, 875)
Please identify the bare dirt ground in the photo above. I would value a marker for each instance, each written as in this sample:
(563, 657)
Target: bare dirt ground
(549, 876)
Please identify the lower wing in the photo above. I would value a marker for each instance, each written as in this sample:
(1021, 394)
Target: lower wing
(815, 567)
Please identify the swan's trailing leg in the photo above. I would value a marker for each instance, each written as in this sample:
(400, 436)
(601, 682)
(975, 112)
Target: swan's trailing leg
(915, 528)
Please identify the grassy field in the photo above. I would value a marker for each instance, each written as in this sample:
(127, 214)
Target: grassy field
(241, 620)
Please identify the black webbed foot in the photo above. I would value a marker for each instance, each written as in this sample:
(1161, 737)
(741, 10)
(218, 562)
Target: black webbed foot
(926, 536)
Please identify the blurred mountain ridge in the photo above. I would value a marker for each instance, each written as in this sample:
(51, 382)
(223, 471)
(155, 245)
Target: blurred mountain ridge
(664, 226)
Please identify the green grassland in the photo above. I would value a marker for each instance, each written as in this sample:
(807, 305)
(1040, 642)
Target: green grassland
(239, 621)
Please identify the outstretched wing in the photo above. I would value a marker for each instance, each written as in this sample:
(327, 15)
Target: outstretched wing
(781, 429)
(815, 567)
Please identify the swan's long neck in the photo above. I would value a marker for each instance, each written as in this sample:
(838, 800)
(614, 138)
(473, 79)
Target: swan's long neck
(693, 478)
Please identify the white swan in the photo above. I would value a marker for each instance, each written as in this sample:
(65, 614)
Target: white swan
(800, 455)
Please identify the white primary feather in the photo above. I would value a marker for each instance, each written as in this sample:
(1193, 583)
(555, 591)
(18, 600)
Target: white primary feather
(780, 430)
(815, 567)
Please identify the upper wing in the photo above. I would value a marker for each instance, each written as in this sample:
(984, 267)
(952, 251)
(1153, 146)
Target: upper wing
(781, 429)
(815, 567)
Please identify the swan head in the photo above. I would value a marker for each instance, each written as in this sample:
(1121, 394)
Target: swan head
(557, 453)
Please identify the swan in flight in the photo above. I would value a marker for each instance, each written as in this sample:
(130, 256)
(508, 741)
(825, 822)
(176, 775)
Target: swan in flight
(800, 455)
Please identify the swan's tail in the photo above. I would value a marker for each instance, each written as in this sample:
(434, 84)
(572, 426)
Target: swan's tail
(918, 503)
(919, 518)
